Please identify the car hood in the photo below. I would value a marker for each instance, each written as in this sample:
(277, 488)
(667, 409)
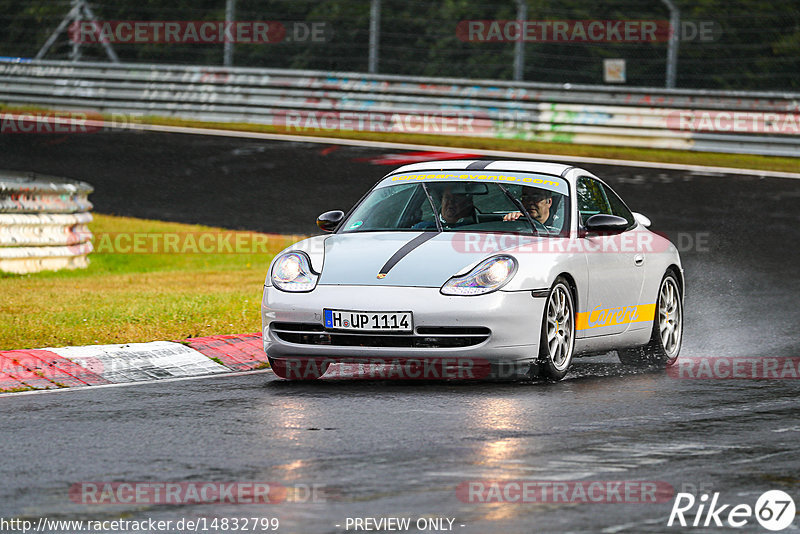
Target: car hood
(356, 259)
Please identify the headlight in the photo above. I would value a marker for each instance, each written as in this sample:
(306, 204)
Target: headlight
(292, 272)
(489, 275)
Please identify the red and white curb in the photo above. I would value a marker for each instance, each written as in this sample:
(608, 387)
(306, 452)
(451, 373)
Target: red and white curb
(95, 365)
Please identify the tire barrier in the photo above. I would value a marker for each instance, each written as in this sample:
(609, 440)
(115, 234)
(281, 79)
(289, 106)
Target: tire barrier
(43, 223)
(699, 120)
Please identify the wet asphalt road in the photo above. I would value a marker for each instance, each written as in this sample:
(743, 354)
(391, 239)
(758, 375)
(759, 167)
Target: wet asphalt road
(401, 449)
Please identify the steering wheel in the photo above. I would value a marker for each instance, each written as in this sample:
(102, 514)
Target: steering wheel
(539, 227)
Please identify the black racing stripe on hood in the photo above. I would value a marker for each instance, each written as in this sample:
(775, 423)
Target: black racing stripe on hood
(405, 250)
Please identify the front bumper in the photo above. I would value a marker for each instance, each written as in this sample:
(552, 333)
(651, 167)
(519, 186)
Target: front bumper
(513, 319)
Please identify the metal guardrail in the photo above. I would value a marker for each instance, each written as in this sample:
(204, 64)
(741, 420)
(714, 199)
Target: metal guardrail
(319, 101)
(43, 223)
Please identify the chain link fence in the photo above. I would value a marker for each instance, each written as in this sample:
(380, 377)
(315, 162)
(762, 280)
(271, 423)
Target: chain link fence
(737, 44)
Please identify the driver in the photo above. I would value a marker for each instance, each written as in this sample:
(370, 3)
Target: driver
(538, 203)
(457, 210)
(456, 207)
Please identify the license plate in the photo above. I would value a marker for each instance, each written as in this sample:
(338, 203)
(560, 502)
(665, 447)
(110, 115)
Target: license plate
(365, 321)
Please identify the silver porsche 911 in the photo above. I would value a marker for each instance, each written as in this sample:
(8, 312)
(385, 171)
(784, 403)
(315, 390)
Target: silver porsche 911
(497, 263)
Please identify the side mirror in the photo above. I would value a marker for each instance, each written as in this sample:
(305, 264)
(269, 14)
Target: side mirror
(602, 222)
(642, 219)
(329, 220)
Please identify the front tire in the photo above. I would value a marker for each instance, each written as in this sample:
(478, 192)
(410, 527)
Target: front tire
(667, 334)
(558, 332)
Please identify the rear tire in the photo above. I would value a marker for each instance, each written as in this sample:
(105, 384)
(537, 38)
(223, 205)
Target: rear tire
(667, 333)
(557, 340)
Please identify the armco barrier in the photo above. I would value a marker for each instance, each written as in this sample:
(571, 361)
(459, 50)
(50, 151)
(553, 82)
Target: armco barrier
(43, 223)
(294, 100)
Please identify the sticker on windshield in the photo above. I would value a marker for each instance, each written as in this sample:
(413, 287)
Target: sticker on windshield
(543, 181)
(355, 225)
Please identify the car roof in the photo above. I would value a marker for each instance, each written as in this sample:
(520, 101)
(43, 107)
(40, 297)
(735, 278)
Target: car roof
(557, 169)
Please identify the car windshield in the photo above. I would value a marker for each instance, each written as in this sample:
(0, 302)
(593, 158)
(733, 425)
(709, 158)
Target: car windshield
(460, 206)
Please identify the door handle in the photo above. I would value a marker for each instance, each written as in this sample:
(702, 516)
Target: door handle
(638, 260)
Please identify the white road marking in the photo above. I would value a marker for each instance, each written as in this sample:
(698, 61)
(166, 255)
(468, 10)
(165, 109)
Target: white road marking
(140, 383)
(134, 362)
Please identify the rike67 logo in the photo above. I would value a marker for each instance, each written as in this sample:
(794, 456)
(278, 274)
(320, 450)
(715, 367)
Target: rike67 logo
(774, 510)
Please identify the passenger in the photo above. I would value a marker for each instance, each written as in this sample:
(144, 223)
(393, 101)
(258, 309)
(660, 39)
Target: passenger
(538, 203)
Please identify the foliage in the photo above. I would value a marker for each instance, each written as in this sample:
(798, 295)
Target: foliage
(756, 44)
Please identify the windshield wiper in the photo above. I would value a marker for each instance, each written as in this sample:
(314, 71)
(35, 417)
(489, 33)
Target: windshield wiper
(518, 204)
(433, 207)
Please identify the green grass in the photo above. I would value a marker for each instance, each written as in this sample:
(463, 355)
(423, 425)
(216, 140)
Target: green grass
(124, 298)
